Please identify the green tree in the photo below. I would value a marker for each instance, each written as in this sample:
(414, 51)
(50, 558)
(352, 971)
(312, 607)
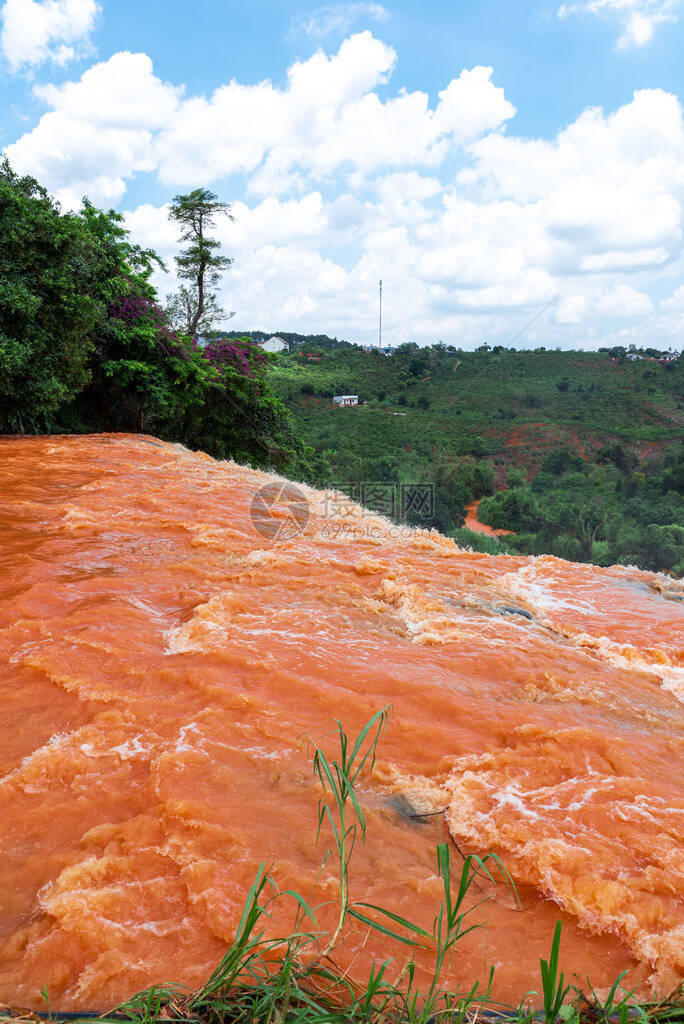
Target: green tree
(142, 373)
(516, 477)
(238, 415)
(195, 307)
(516, 509)
(560, 460)
(455, 484)
(46, 312)
(582, 520)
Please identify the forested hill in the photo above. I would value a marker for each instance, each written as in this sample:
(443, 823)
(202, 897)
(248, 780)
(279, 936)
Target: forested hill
(581, 451)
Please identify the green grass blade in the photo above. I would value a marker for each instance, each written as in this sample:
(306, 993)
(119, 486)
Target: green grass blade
(397, 919)
(376, 926)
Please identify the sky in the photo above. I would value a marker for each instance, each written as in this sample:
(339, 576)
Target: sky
(511, 170)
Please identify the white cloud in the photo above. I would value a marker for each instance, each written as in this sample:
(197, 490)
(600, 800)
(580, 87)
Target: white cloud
(403, 197)
(119, 118)
(328, 118)
(339, 18)
(471, 106)
(608, 190)
(242, 128)
(50, 30)
(639, 19)
(122, 92)
(625, 301)
(571, 310)
(288, 221)
(638, 258)
(676, 301)
(344, 180)
(100, 130)
(487, 254)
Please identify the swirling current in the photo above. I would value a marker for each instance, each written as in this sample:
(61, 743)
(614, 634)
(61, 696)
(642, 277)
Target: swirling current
(162, 659)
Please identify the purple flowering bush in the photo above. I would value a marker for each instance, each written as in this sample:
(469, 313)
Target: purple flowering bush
(136, 311)
(240, 356)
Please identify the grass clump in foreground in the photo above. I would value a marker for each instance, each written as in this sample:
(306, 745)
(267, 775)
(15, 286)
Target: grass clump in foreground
(295, 979)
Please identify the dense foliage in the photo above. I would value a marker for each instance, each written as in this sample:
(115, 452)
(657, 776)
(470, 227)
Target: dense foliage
(85, 345)
(46, 316)
(576, 452)
(605, 511)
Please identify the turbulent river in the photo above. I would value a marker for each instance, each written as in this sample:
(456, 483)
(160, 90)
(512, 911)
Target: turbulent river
(162, 658)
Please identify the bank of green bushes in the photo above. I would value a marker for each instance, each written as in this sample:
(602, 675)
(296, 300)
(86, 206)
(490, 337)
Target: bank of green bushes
(85, 345)
(606, 511)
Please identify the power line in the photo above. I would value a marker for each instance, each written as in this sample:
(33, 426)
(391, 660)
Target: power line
(532, 321)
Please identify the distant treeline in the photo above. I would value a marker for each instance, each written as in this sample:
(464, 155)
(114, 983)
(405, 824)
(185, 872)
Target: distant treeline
(619, 353)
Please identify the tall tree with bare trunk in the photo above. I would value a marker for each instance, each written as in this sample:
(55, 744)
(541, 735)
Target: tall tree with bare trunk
(195, 307)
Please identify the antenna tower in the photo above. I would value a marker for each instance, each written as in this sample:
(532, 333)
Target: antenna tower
(380, 320)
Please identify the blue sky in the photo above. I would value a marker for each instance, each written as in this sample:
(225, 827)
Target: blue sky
(487, 159)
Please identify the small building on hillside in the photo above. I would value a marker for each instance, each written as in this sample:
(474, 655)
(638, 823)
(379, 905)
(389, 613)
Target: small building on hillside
(274, 344)
(384, 350)
(346, 399)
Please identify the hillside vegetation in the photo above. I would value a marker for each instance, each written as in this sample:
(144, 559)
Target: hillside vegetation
(579, 453)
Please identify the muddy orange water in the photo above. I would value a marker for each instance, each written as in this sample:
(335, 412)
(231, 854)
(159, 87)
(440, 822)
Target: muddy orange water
(474, 524)
(161, 659)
